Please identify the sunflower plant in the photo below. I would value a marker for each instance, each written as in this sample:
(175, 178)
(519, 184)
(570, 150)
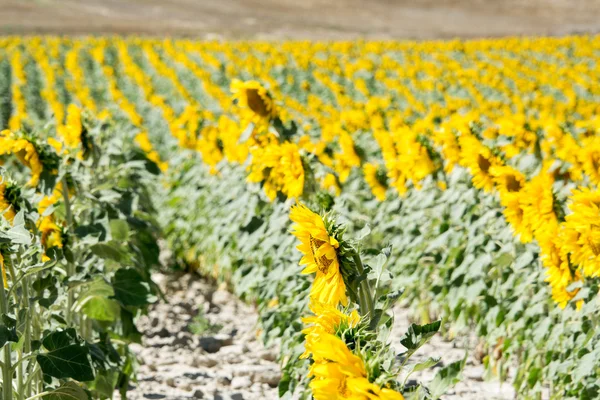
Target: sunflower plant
(346, 335)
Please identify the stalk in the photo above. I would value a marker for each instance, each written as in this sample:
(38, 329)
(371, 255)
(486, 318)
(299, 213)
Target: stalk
(6, 368)
(70, 266)
(365, 294)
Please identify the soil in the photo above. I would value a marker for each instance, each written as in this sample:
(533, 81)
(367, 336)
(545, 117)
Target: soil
(307, 19)
(202, 344)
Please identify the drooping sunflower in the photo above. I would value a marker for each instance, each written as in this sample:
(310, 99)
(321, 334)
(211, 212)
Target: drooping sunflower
(319, 256)
(25, 151)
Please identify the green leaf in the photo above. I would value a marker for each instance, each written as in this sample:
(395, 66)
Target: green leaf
(130, 288)
(66, 357)
(18, 234)
(418, 335)
(68, 391)
(445, 379)
(119, 229)
(421, 366)
(95, 301)
(585, 366)
(8, 330)
(111, 251)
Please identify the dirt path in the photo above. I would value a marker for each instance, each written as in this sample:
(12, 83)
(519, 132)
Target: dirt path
(202, 345)
(308, 19)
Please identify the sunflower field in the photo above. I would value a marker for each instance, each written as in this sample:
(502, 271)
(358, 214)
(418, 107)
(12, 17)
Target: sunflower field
(458, 179)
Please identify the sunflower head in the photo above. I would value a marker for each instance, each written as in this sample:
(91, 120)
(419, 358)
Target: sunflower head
(255, 97)
(9, 200)
(319, 249)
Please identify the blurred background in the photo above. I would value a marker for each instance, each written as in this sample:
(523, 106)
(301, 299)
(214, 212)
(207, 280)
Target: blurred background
(305, 19)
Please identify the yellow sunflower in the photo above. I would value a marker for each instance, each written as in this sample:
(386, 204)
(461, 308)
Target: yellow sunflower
(326, 319)
(558, 271)
(337, 373)
(6, 208)
(334, 365)
(479, 160)
(25, 151)
(581, 231)
(253, 96)
(372, 177)
(319, 256)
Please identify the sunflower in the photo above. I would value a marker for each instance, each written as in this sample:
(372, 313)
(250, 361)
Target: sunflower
(334, 365)
(7, 209)
(326, 319)
(479, 160)
(376, 179)
(363, 389)
(51, 232)
(507, 178)
(581, 231)
(319, 256)
(537, 203)
(514, 215)
(253, 96)
(279, 167)
(25, 151)
(556, 262)
(337, 373)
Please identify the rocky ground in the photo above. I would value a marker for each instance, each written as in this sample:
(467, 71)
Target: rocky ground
(203, 344)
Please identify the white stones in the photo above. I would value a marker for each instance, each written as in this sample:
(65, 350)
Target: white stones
(241, 382)
(228, 364)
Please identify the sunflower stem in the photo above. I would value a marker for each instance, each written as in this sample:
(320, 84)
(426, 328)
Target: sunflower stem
(365, 296)
(7, 387)
(70, 266)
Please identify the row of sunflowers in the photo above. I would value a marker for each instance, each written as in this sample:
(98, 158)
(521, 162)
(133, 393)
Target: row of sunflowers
(321, 121)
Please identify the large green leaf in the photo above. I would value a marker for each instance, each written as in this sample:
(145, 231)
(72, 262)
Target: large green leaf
(418, 335)
(68, 391)
(130, 288)
(111, 251)
(445, 379)
(119, 229)
(95, 301)
(66, 357)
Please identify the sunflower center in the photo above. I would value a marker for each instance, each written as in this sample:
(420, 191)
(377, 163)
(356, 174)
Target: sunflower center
(322, 262)
(512, 184)
(256, 102)
(343, 388)
(483, 163)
